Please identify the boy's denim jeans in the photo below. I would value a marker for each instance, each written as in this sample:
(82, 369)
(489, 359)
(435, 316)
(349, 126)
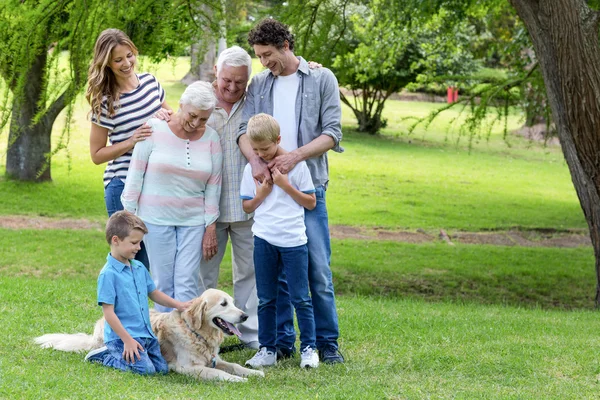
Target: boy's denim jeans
(269, 263)
(112, 198)
(320, 281)
(151, 362)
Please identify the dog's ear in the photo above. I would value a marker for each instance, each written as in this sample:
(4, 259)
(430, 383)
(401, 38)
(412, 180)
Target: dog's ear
(196, 312)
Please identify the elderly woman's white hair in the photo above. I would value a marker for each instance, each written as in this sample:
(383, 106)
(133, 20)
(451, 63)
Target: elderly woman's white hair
(200, 95)
(235, 56)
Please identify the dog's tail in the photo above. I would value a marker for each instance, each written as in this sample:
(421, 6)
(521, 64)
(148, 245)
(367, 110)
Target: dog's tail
(66, 341)
(74, 341)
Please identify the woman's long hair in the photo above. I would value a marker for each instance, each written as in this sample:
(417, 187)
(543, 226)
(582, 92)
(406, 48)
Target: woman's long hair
(101, 80)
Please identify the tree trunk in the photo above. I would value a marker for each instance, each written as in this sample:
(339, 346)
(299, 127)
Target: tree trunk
(29, 144)
(203, 59)
(565, 38)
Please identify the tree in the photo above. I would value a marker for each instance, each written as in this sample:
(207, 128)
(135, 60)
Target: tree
(373, 53)
(564, 34)
(36, 39)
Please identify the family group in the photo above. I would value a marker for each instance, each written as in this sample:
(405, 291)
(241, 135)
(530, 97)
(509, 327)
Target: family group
(239, 162)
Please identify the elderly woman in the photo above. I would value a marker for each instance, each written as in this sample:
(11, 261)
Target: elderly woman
(174, 185)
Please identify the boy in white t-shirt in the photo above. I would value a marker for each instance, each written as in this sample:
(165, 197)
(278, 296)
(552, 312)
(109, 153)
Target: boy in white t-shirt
(279, 242)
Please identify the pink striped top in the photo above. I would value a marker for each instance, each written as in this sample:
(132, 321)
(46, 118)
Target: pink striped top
(173, 181)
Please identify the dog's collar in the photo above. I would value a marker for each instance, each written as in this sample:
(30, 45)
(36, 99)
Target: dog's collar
(213, 360)
(199, 336)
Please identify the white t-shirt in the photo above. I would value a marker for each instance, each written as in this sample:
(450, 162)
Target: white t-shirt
(279, 219)
(285, 90)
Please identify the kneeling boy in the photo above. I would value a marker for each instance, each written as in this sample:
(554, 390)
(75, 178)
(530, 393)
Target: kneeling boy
(124, 286)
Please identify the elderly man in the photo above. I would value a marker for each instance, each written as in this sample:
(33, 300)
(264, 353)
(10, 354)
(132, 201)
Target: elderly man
(306, 103)
(233, 70)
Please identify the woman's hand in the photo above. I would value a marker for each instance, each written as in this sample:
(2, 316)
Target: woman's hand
(140, 134)
(163, 114)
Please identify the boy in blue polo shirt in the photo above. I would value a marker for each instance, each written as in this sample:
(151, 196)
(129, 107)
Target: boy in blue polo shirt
(124, 286)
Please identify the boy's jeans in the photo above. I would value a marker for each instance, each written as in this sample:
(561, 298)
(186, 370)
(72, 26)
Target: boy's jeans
(152, 362)
(320, 280)
(112, 198)
(269, 263)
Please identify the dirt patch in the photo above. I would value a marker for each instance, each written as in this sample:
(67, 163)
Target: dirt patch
(538, 133)
(26, 222)
(525, 238)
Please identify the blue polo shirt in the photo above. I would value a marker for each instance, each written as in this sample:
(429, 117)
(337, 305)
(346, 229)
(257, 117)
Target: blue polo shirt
(127, 289)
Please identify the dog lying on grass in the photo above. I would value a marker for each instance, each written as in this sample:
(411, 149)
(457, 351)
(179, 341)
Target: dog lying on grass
(189, 340)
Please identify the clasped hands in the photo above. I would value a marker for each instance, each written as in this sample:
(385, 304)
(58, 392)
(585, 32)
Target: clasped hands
(275, 171)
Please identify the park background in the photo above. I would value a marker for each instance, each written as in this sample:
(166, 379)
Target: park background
(461, 260)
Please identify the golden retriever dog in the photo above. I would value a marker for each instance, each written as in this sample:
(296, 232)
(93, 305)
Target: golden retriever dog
(189, 340)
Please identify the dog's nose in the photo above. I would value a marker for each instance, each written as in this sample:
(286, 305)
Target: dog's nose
(244, 317)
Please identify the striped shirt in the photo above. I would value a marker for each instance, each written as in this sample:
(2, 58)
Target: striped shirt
(227, 125)
(174, 181)
(132, 110)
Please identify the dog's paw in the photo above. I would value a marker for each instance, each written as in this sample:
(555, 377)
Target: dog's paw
(256, 372)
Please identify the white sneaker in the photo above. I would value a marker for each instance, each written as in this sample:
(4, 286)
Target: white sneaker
(309, 358)
(263, 358)
(96, 355)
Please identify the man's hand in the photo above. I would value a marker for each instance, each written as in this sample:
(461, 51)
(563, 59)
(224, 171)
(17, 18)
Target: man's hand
(280, 179)
(210, 246)
(260, 171)
(284, 163)
(132, 349)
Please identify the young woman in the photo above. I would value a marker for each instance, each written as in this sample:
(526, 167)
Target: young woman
(121, 101)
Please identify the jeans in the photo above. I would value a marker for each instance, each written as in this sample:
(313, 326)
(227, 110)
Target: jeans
(112, 198)
(269, 263)
(175, 252)
(320, 282)
(151, 362)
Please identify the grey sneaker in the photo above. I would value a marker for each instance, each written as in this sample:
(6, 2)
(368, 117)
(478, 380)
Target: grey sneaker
(254, 345)
(331, 355)
(97, 355)
(263, 358)
(309, 358)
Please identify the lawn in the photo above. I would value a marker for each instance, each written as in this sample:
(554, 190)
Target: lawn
(417, 320)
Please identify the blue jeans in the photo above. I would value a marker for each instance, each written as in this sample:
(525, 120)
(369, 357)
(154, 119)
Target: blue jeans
(319, 279)
(269, 264)
(151, 362)
(112, 198)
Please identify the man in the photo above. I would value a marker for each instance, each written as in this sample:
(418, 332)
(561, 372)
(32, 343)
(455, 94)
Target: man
(233, 70)
(306, 104)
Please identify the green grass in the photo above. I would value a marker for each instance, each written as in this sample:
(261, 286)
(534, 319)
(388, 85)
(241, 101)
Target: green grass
(395, 349)
(393, 181)
(417, 320)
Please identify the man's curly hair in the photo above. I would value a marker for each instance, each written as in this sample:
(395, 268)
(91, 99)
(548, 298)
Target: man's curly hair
(271, 32)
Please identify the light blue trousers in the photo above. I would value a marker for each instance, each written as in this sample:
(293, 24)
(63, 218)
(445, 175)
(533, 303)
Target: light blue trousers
(175, 253)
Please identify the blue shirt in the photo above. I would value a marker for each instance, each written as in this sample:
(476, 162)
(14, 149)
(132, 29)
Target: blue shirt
(127, 290)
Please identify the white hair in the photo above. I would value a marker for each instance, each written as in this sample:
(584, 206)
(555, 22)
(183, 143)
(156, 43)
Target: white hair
(235, 56)
(200, 95)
